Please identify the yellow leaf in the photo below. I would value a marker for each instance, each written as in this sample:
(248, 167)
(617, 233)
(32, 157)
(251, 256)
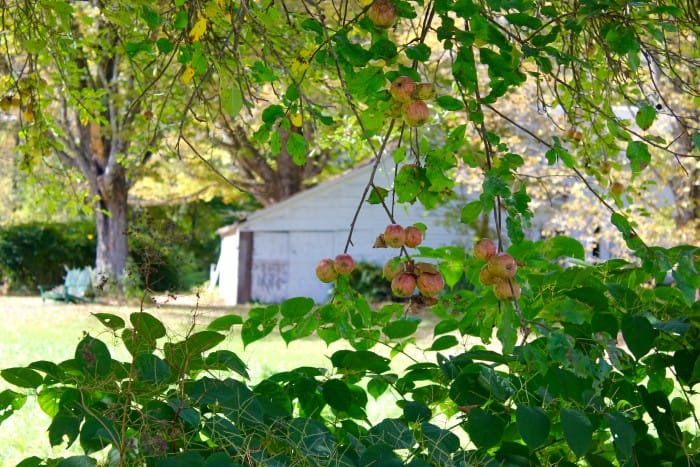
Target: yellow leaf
(366, 2)
(198, 30)
(296, 119)
(187, 75)
(298, 66)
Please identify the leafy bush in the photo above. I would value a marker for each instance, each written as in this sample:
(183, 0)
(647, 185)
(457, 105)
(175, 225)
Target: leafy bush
(37, 253)
(368, 280)
(561, 389)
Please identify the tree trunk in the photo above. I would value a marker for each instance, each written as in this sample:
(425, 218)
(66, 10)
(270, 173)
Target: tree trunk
(112, 223)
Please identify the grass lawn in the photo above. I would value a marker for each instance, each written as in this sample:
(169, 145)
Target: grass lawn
(32, 330)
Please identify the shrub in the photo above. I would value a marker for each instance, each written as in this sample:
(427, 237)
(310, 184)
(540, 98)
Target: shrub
(37, 253)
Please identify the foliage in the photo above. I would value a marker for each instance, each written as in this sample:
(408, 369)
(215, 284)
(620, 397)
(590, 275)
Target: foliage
(561, 388)
(368, 280)
(594, 363)
(37, 253)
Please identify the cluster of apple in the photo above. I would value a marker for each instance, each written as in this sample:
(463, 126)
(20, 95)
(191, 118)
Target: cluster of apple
(409, 100)
(407, 276)
(329, 269)
(499, 270)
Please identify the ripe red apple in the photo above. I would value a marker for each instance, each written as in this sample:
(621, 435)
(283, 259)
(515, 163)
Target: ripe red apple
(344, 264)
(382, 13)
(430, 284)
(402, 88)
(392, 268)
(394, 236)
(325, 271)
(424, 91)
(416, 113)
(503, 291)
(414, 236)
(484, 249)
(502, 266)
(486, 277)
(403, 285)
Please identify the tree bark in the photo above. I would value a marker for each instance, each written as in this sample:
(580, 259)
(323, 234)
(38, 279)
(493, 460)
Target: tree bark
(111, 216)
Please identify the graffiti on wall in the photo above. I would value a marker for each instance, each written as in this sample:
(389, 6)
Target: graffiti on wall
(270, 280)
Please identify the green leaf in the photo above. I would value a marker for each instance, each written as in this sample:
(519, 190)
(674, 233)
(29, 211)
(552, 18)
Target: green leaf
(93, 357)
(419, 52)
(361, 360)
(564, 246)
(152, 18)
(377, 386)
(228, 360)
(401, 328)
(578, 430)
(64, 425)
(77, 461)
(34, 46)
(22, 377)
(147, 326)
(164, 45)
(231, 99)
(337, 394)
(297, 148)
(380, 455)
(449, 103)
(533, 425)
(470, 212)
(639, 334)
(181, 19)
(255, 329)
(393, 432)
(272, 113)
(10, 401)
(645, 116)
(415, 411)
(297, 307)
(638, 154)
(521, 19)
(276, 143)
(377, 195)
(224, 323)
(623, 435)
(111, 321)
(485, 430)
(151, 369)
(444, 342)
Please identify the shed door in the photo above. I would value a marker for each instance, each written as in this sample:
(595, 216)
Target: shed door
(306, 249)
(270, 267)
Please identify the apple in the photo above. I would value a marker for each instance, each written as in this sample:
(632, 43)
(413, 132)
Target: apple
(382, 13)
(325, 271)
(486, 277)
(424, 91)
(394, 236)
(403, 285)
(402, 88)
(617, 189)
(416, 113)
(484, 249)
(502, 266)
(344, 264)
(414, 236)
(503, 291)
(392, 268)
(430, 284)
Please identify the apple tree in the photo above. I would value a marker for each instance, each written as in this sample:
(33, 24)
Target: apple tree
(591, 363)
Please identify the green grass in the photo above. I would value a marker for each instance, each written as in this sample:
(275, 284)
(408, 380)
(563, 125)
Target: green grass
(32, 330)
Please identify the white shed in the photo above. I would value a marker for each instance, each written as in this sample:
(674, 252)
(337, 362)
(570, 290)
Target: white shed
(272, 255)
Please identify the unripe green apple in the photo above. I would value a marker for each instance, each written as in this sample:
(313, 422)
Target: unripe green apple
(424, 91)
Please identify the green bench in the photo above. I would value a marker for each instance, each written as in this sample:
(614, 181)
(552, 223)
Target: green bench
(76, 287)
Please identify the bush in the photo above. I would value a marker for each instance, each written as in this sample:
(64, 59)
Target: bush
(37, 253)
(368, 280)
